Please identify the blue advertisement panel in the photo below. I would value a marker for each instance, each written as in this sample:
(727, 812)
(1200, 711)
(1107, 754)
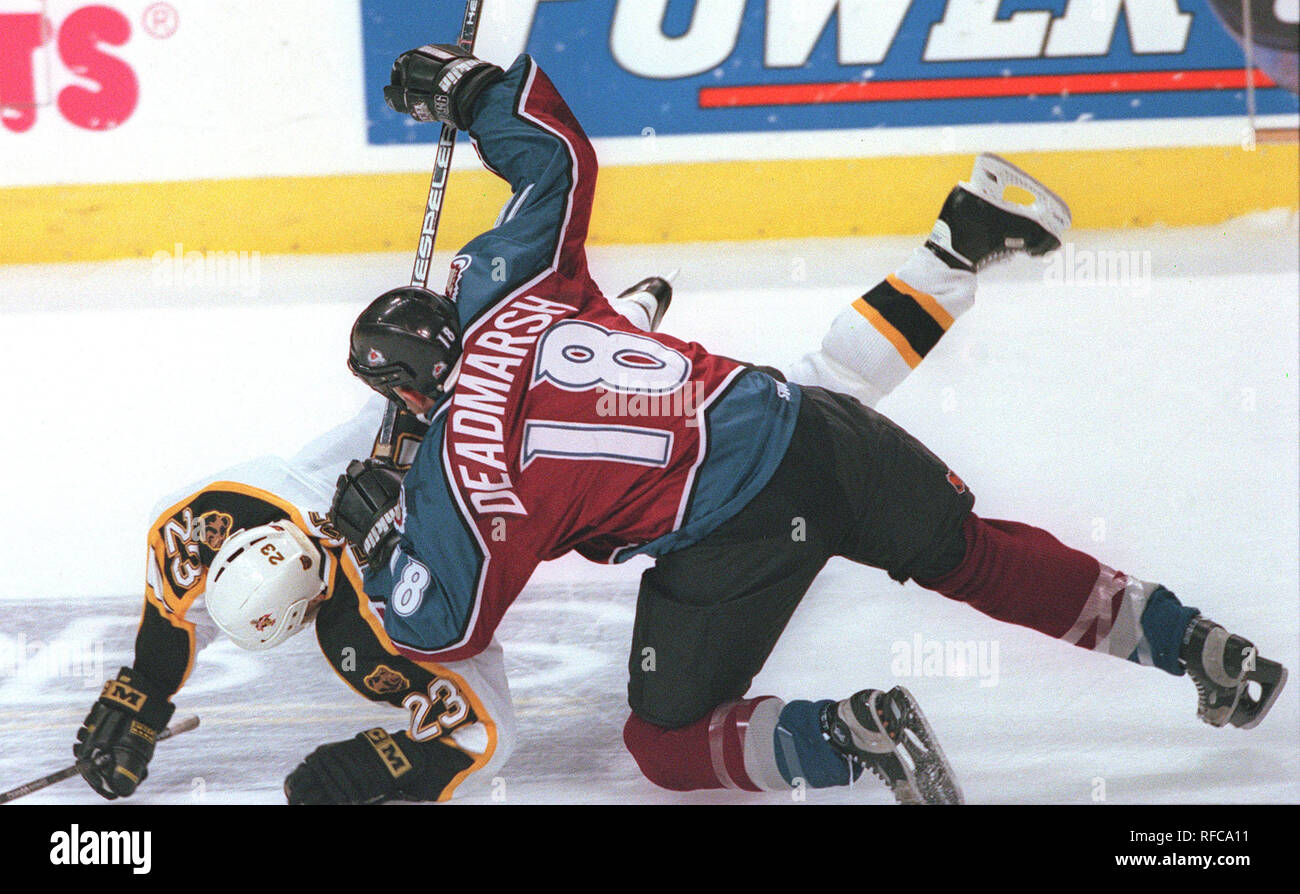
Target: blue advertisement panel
(724, 66)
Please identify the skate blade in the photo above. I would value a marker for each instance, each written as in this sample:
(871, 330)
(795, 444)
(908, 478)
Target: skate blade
(1270, 691)
(993, 175)
(931, 775)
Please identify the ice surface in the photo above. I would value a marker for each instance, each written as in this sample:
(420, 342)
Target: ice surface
(1150, 420)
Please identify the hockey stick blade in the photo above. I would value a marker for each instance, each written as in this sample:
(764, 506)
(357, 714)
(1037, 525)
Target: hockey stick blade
(181, 726)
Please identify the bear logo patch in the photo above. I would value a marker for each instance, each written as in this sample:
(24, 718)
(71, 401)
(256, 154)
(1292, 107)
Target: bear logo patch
(383, 680)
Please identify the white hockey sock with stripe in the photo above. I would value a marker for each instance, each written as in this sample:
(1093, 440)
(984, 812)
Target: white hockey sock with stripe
(877, 340)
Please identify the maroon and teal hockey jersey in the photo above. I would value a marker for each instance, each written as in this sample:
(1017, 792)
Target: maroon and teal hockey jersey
(567, 427)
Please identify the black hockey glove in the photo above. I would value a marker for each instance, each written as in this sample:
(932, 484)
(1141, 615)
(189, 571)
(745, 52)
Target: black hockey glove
(439, 82)
(116, 740)
(365, 508)
(370, 768)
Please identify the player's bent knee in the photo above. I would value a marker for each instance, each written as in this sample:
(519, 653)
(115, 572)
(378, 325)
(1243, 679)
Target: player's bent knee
(670, 758)
(731, 747)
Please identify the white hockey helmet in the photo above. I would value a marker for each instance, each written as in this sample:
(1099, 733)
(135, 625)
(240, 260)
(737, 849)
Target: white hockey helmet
(262, 582)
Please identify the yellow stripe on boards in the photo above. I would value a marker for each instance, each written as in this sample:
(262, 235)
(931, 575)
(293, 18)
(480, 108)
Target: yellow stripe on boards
(689, 202)
(275, 215)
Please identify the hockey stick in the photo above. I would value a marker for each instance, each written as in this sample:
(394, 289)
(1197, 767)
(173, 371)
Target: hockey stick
(1248, 41)
(1257, 134)
(182, 726)
(432, 215)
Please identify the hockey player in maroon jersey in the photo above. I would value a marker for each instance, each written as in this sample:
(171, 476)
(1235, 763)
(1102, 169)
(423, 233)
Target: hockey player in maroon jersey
(517, 370)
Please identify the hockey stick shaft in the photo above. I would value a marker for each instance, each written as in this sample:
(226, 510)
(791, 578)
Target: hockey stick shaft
(442, 163)
(432, 215)
(182, 726)
(1248, 44)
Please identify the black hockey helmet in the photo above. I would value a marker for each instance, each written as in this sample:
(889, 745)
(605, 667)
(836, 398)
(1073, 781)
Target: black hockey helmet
(409, 338)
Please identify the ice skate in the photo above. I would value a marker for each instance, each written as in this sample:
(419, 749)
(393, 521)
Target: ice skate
(886, 733)
(1223, 666)
(654, 293)
(979, 225)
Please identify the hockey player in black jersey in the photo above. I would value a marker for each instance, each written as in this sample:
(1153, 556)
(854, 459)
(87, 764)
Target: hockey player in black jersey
(242, 550)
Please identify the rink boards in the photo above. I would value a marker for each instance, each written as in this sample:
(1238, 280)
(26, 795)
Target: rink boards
(718, 120)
